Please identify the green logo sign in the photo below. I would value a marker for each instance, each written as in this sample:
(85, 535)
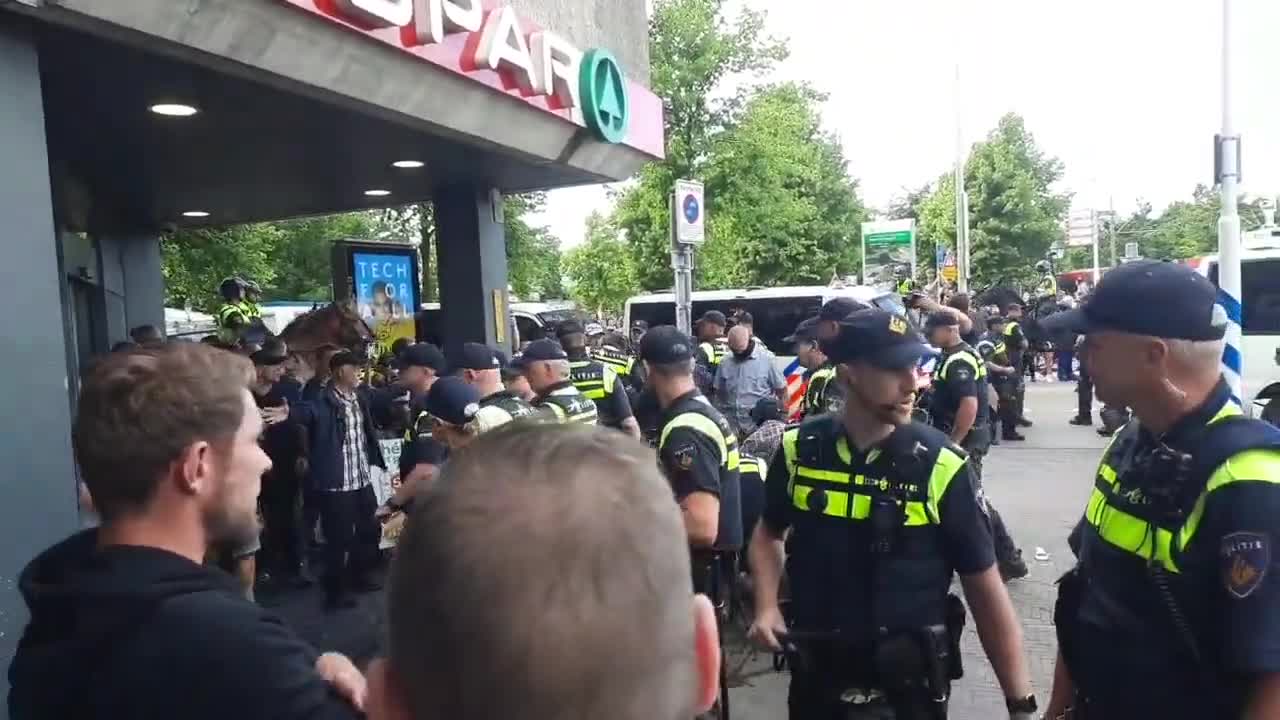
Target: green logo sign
(603, 89)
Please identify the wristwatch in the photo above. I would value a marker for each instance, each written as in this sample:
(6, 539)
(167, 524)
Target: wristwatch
(1021, 706)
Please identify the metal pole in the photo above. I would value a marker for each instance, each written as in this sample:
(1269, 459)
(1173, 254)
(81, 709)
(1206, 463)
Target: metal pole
(962, 205)
(1097, 272)
(1229, 220)
(1114, 223)
(682, 264)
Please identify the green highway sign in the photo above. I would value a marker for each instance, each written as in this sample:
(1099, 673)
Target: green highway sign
(603, 89)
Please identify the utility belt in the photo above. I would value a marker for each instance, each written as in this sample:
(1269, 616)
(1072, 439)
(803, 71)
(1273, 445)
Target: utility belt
(1066, 613)
(978, 441)
(912, 669)
(713, 575)
(1066, 616)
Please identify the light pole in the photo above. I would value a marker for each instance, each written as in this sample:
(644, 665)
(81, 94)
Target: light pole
(1228, 167)
(962, 202)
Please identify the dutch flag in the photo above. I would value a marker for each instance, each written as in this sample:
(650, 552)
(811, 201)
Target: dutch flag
(797, 384)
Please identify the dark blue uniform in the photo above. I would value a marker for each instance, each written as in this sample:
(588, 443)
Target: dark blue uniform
(844, 575)
(1173, 610)
(1175, 607)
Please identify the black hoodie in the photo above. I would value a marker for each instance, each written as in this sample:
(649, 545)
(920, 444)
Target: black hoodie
(140, 633)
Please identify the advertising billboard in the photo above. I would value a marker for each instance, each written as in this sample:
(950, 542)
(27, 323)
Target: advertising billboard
(382, 280)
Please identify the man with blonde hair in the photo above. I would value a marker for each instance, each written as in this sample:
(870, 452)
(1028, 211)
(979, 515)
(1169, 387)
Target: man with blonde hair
(545, 576)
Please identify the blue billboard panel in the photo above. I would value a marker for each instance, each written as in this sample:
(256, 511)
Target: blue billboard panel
(384, 285)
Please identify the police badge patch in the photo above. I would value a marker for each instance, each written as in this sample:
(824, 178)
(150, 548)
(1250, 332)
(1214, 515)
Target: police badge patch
(1245, 559)
(684, 456)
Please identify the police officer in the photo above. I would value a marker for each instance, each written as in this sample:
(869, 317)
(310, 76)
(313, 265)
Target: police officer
(832, 312)
(1047, 286)
(422, 454)
(597, 381)
(249, 303)
(1016, 351)
(698, 452)
(696, 446)
(993, 350)
(882, 511)
(712, 343)
(231, 314)
(480, 367)
(959, 408)
(613, 352)
(822, 394)
(546, 366)
(1173, 608)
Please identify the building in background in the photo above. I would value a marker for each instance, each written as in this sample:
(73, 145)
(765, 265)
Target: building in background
(121, 121)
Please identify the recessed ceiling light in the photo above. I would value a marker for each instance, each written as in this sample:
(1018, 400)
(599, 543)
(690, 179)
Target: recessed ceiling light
(377, 193)
(174, 110)
(195, 214)
(408, 164)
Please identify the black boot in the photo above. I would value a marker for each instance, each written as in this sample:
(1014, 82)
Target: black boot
(1082, 421)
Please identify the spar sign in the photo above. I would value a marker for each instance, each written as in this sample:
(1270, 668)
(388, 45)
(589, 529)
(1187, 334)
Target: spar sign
(488, 37)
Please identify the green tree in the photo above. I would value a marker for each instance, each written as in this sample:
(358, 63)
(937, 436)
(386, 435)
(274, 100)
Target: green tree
(601, 271)
(1014, 214)
(414, 224)
(693, 49)
(195, 261)
(533, 253)
(791, 207)
(301, 254)
(935, 223)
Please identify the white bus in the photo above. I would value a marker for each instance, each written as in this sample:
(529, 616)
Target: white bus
(1260, 321)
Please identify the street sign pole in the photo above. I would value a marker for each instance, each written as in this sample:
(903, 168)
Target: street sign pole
(1228, 150)
(1096, 263)
(962, 200)
(688, 230)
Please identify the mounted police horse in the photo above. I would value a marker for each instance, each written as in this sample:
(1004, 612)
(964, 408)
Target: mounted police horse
(324, 327)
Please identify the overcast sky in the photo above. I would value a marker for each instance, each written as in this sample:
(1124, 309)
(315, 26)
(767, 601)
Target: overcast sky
(1126, 92)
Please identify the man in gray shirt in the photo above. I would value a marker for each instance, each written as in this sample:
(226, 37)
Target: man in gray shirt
(744, 377)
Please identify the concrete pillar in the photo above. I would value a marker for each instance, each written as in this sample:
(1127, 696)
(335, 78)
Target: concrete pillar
(115, 323)
(38, 485)
(143, 280)
(132, 282)
(472, 255)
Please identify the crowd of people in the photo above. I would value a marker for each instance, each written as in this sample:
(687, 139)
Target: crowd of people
(576, 519)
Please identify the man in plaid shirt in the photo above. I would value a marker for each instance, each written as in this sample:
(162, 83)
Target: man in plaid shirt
(343, 446)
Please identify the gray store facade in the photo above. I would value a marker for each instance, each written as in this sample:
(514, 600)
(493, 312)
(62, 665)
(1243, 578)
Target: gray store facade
(121, 121)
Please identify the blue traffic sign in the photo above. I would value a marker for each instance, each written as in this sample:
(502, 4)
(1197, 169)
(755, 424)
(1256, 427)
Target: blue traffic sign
(691, 209)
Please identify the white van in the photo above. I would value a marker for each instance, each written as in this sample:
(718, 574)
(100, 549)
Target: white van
(775, 311)
(1260, 308)
(529, 321)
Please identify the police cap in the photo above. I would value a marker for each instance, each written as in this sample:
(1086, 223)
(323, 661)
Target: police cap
(421, 355)
(475, 356)
(539, 350)
(837, 309)
(806, 331)
(665, 344)
(877, 337)
(269, 355)
(569, 327)
(1149, 297)
(452, 400)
